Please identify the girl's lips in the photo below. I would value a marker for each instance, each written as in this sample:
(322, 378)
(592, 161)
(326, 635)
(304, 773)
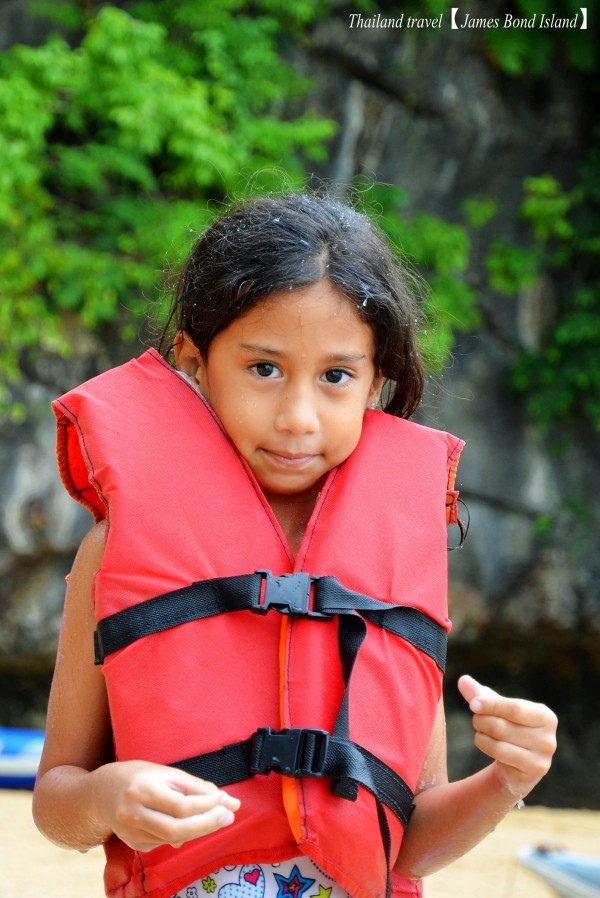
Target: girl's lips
(288, 461)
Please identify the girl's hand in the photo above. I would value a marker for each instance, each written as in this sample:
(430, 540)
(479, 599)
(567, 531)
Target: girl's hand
(519, 735)
(147, 805)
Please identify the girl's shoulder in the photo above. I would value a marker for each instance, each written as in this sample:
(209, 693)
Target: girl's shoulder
(95, 539)
(91, 550)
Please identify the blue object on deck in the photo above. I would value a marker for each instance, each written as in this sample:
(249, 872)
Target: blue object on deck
(20, 752)
(570, 875)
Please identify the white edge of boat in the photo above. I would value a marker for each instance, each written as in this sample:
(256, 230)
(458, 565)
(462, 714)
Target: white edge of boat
(567, 884)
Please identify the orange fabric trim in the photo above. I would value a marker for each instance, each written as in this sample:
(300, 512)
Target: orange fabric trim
(283, 640)
(452, 494)
(289, 787)
(452, 506)
(452, 470)
(289, 792)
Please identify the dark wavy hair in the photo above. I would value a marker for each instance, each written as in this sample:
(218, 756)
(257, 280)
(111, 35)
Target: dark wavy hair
(264, 245)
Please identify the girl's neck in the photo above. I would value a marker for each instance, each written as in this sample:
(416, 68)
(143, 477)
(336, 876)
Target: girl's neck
(293, 513)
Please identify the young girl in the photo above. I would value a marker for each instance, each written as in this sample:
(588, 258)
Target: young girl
(266, 589)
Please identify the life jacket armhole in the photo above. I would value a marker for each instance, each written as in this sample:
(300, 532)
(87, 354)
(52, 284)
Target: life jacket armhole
(75, 466)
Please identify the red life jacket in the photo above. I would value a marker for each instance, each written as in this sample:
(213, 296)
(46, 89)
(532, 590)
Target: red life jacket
(207, 678)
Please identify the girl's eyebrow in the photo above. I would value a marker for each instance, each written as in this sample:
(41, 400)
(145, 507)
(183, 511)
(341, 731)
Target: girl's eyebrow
(346, 357)
(262, 350)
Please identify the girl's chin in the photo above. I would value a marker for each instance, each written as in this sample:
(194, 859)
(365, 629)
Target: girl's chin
(291, 487)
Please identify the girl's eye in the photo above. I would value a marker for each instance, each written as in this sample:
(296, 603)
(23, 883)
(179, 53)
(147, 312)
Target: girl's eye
(337, 376)
(265, 369)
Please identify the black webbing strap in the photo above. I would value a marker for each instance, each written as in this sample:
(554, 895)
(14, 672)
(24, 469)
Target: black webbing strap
(302, 753)
(260, 592)
(205, 598)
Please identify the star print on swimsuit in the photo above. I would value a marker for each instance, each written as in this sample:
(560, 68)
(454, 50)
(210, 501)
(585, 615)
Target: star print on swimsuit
(322, 893)
(293, 886)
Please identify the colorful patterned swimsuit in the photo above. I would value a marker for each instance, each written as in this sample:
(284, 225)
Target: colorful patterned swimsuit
(295, 878)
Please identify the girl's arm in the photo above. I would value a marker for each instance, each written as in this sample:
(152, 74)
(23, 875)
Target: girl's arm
(81, 795)
(451, 818)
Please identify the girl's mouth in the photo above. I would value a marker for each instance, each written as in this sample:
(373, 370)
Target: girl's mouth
(289, 460)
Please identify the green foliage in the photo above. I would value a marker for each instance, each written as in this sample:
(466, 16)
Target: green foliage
(441, 252)
(562, 379)
(546, 207)
(127, 137)
(511, 268)
(478, 212)
(533, 50)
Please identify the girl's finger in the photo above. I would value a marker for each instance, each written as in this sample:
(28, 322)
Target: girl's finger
(174, 804)
(518, 711)
(504, 752)
(470, 689)
(483, 700)
(167, 830)
(503, 730)
(532, 764)
(186, 783)
(519, 769)
(171, 792)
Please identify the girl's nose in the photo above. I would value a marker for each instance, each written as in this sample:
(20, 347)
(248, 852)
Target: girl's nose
(297, 413)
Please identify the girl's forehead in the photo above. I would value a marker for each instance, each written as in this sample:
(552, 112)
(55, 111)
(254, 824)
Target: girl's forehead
(318, 319)
(313, 304)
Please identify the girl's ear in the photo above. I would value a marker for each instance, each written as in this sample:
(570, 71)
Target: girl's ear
(187, 355)
(375, 391)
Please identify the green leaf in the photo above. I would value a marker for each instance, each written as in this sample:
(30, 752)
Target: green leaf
(511, 268)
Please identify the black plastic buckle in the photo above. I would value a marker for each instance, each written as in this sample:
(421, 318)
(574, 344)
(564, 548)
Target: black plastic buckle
(291, 752)
(288, 594)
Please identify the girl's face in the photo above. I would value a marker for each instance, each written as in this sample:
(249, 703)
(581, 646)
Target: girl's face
(290, 381)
